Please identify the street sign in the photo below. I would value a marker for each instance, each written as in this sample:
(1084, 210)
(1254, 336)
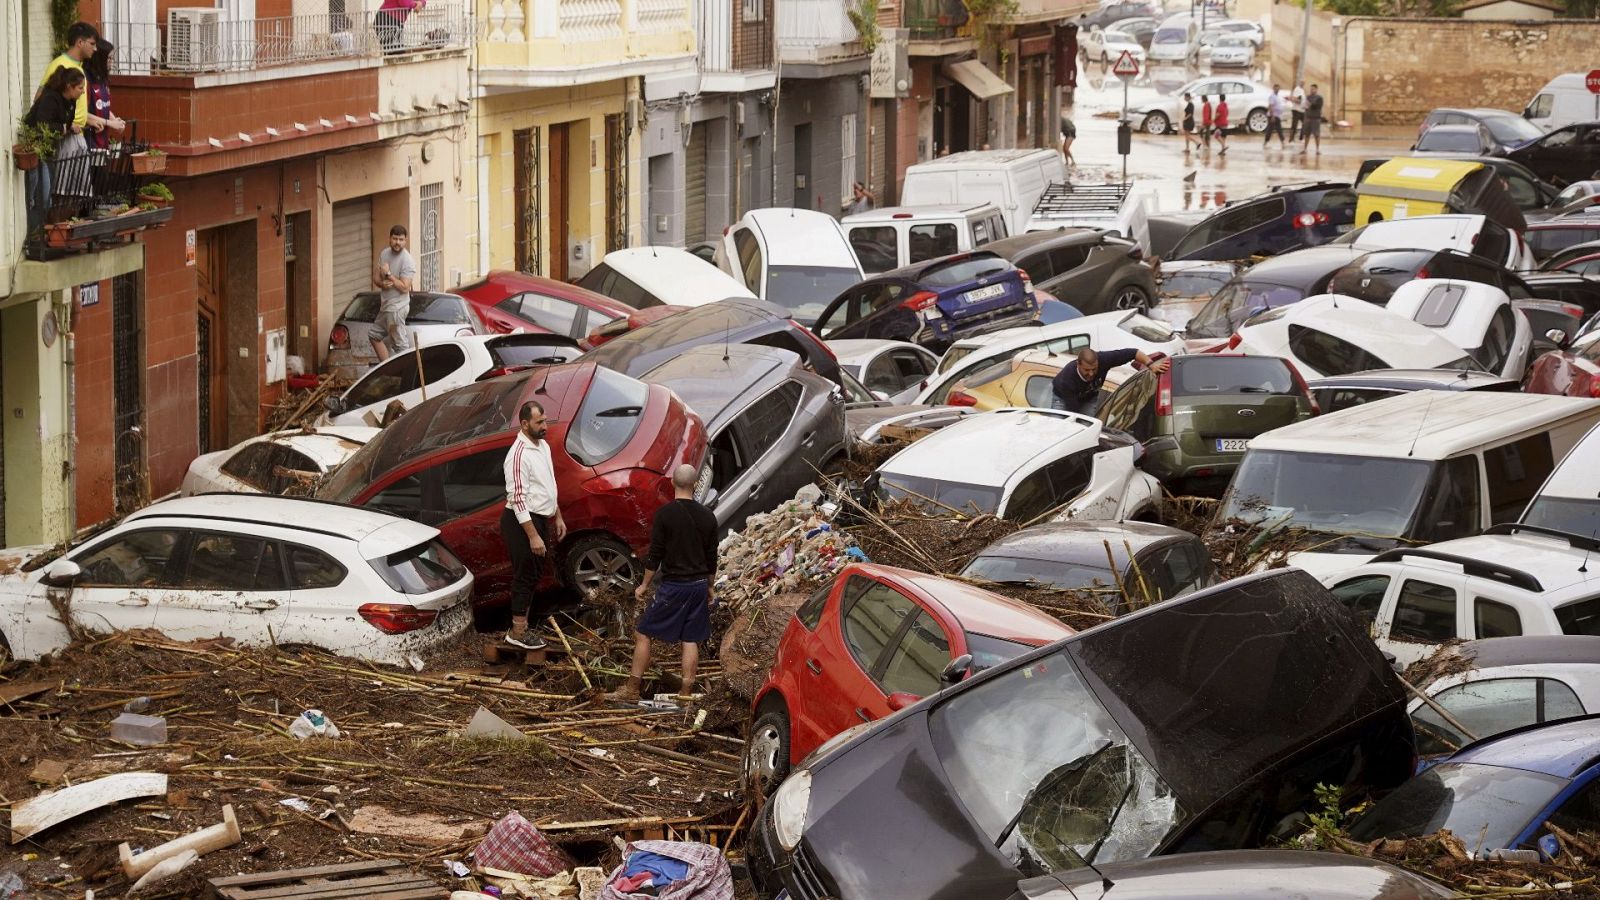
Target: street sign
(1592, 81)
(1128, 67)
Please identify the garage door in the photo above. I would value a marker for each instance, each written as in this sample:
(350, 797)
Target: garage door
(694, 186)
(353, 256)
(878, 147)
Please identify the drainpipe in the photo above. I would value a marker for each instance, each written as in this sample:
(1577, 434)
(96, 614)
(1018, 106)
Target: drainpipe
(1305, 39)
(70, 360)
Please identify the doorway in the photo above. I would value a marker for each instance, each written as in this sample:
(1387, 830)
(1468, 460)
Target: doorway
(130, 490)
(525, 192)
(297, 282)
(560, 226)
(802, 166)
(211, 371)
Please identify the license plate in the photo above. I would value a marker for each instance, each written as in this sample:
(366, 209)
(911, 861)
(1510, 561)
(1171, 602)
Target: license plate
(984, 293)
(1232, 445)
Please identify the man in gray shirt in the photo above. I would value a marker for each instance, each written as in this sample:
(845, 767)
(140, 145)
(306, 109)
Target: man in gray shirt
(393, 277)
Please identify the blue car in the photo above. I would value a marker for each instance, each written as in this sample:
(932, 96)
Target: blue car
(1499, 793)
(934, 303)
(1277, 221)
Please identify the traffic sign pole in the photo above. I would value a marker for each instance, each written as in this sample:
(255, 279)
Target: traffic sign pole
(1592, 82)
(1127, 68)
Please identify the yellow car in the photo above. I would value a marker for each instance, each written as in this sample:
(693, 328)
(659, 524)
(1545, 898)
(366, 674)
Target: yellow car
(1023, 380)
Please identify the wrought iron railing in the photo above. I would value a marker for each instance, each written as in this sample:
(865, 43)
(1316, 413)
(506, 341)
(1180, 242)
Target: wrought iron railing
(78, 199)
(934, 19)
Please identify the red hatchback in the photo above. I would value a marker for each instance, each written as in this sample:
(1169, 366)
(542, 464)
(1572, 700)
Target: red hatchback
(1573, 372)
(875, 640)
(614, 441)
(508, 301)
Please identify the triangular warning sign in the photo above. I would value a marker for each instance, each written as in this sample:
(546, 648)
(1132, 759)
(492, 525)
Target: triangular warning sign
(1126, 65)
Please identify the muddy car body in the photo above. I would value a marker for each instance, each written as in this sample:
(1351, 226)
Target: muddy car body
(1157, 717)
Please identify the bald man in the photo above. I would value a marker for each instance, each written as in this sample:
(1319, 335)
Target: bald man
(683, 551)
(1076, 388)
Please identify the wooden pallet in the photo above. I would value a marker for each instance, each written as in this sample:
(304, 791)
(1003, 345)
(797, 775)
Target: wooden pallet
(386, 879)
(499, 653)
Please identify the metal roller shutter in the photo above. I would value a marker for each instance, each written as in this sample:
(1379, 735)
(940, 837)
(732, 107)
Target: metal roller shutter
(878, 171)
(353, 256)
(694, 186)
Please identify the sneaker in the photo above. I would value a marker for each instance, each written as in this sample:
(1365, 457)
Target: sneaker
(527, 640)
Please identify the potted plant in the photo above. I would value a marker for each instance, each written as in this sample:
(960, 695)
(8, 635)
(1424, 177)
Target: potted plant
(150, 162)
(155, 196)
(34, 142)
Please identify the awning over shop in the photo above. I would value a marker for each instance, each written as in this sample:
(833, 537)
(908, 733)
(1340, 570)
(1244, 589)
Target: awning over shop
(977, 78)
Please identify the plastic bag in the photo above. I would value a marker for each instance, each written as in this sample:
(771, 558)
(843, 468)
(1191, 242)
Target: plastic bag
(312, 723)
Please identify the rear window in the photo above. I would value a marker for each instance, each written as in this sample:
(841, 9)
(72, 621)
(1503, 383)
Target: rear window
(422, 569)
(427, 309)
(532, 353)
(962, 271)
(1330, 355)
(1573, 515)
(1201, 376)
(939, 496)
(1439, 307)
(1582, 617)
(608, 418)
(1451, 140)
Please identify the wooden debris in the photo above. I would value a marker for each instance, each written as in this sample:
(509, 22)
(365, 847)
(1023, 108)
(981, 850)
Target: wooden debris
(13, 692)
(390, 879)
(421, 828)
(30, 817)
(223, 834)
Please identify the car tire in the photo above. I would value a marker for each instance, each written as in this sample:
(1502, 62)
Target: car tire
(1105, 58)
(1256, 121)
(599, 561)
(1131, 296)
(766, 755)
(1157, 123)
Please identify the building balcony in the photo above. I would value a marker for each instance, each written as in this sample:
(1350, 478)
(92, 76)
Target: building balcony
(936, 27)
(811, 32)
(736, 45)
(1030, 12)
(560, 43)
(86, 202)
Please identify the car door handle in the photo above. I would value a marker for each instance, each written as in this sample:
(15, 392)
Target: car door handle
(814, 666)
(809, 439)
(261, 604)
(862, 715)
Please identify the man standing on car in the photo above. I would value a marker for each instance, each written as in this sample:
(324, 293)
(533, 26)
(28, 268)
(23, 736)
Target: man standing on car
(1076, 388)
(393, 276)
(531, 524)
(683, 550)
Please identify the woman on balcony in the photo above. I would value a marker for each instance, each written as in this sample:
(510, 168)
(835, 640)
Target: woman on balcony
(97, 69)
(391, 23)
(53, 110)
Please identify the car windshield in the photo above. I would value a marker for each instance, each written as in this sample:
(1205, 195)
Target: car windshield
(1511, 129)
(1064, 576)
(1171, 36)
(1119, 37)
(988, 652)
(608, 418)
(937, 496)
(807, 290)
(1047, 775)
(1236, 302)
(1450, 140)
(1328, 492)
(1486, 806)
(1196, 283)
(1573, 515)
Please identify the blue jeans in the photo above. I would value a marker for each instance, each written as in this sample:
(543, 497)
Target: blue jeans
(38, 194)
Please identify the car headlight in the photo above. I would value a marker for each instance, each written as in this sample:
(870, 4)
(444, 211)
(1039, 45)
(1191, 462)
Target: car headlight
(790, 805)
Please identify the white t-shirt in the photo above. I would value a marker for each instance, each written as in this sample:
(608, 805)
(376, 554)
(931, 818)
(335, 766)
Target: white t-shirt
(1297, 100)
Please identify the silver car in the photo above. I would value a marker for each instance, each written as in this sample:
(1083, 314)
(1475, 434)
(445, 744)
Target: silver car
(1247, 105)
(891, 370)
(771, 424)
(433, 317)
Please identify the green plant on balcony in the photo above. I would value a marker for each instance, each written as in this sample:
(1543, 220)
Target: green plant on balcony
(864, 16)
(155, 196)
(986, 14)
(34, 142)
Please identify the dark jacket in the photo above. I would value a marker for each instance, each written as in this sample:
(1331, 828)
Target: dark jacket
(1069, 385)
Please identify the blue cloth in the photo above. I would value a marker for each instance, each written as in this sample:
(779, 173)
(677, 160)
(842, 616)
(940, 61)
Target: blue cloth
(663, 869)
(1074, 392)
(679, 612)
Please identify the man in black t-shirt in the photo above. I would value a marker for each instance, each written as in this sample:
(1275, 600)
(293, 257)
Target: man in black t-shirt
(683, 551)
(1076, 388)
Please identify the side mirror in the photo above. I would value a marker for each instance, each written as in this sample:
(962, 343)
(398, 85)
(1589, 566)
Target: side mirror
(711, 499)
(1557, 337)
(956, 670)
(61, 573)
(880, 395)
(900, 700)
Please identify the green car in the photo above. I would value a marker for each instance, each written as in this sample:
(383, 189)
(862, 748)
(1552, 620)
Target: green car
(1196, 419)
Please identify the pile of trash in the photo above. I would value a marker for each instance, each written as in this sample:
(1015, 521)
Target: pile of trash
(789, 549)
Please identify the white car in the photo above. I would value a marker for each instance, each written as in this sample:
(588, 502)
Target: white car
(1476, 317)
(1247, 105)
(1473, 234)
(444, 366)
(1122, 330)
(432, 317)
(1106, 45)
(1569, 500)
(1228, 50)
(1244, 28)
(1020, 465)
(275, 463)
(643, 277)
(896, 371)
(1511, 580)
(1174, 42)
(798, 259)
(260, 570)
(1331, 334)
(1503, 683)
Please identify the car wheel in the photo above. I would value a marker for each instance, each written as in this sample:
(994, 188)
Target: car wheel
(766, 754)
(1105, 58)
(599, 562)
(1157, 123)
(1257, 121)
(1131, 296)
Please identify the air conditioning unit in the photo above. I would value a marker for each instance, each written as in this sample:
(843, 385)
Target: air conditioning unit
(194, 35)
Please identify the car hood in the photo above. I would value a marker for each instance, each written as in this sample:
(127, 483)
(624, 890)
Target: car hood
(13, 560)
(1323, 566)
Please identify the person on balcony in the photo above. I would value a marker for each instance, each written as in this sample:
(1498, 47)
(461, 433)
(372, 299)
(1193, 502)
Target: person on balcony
(53, 111)
(391, 23)
(82, 38)
(97, 68)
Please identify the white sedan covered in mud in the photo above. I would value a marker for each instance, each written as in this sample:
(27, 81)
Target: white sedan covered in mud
(261, 570)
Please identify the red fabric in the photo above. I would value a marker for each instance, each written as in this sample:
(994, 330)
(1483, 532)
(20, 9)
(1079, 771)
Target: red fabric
(1205, 113)
(1222, 114)
(514, 844)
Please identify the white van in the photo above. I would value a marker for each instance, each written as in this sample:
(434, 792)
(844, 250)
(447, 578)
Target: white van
(1417, 468)
(1564, 101)
(1013, 180)
(896, 236)
(795, 258)
(1570, 500)
(643, 277)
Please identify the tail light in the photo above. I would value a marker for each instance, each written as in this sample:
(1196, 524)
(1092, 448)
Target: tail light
(339, 339)
(1235, 341)
(962, 398)
(1300, 382)
(919, 301)
(1027, 283)
(1594, 387)
(397, 618)
(1308, 219)
(1164, 393)
(1423, 273)
(1574, 311)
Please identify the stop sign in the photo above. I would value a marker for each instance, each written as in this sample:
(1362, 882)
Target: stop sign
(1592, 81)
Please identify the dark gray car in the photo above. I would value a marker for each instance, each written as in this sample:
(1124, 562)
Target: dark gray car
(771, 425)
(1087, 268)
(1241, 875)
(1338, 392)
(1152, 561)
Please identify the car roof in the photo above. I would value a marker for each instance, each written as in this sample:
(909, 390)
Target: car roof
(980, 611)
(1303, 267)
(712, 378)
(789, 235)
(1553, 560)
(1461, 222)
(1057, 237)
(980, 157)
(858, 350)
(1562, 749)
(735, 316)
(675, 275)
(887, 214)
(1411, 379)
(1082, 543)
(514, 282)
(1456, 127)
(918, 270)
(375, 532)
(327, 444)
(1527, 650)
(1424, 424)
(989, 449)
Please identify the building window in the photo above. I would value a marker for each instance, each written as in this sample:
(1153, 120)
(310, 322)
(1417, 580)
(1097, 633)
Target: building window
(847, 138)
(755, 10)
(432, 212)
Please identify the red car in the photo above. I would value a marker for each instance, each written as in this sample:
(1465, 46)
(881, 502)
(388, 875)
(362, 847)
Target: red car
(508, 301)
(1573, 372)
(875, 640)
(614, 441)
(636, 318)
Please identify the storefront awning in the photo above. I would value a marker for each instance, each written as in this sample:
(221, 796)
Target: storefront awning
(977, 78)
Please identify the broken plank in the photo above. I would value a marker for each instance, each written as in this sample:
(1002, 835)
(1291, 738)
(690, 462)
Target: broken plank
(686, 758)
(33, 816)
(383, 878)
(618, 823)
(10, 693)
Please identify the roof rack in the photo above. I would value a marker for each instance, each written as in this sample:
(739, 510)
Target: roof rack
(1576, 541)
(1474, 567)
(1063, 198)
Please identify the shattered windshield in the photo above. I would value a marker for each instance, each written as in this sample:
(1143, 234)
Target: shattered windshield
(1046, 773)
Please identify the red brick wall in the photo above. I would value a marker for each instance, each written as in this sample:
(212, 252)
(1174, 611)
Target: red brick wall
(94, 396)
(171, 111)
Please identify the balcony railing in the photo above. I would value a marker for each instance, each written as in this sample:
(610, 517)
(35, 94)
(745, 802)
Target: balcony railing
(205, 40)
(934, 20)
(814, 31)
(735, 35)
(80, 200)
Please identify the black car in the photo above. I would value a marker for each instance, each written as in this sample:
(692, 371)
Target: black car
(1088, 268)
(1564, 155)
(1565, 287)
(1200, 723)
(1552, 236)
(1507, 129)
(1155, 561)
(736, 320)
(1282, 219)
(1560, 260)
(934, 303)
(1525, 188)
(1375, 276)
(1337, 392)
(1269, 284)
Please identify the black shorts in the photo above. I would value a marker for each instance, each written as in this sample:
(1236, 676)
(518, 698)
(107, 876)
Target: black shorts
(1313, 127)
(680, 611)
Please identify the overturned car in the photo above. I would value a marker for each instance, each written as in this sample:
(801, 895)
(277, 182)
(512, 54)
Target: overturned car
(1201, 723)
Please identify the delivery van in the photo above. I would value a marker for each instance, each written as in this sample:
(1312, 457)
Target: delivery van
(1564, 101)
(1013, 180)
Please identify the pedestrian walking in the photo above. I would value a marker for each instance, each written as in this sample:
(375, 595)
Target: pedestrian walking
(1076, 388)
(390, 22)
(683, 552)
(1188, 124)
(531, 524)
(1069, 133)
(1220, 121)
(862, 200)
(1205, 122)
(1297, 112)
(1313, 121)
(393, 277)
(1275, 107)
